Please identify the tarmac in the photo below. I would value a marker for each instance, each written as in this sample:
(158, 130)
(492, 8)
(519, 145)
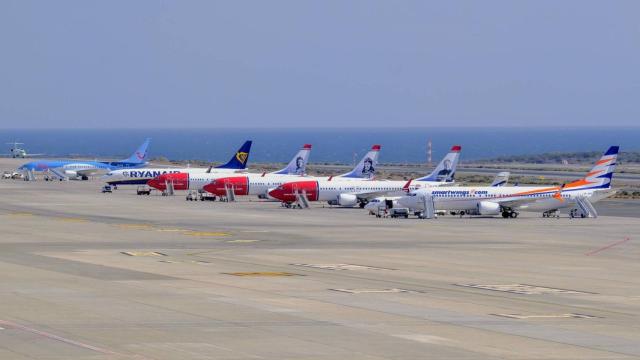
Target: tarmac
(87, 275)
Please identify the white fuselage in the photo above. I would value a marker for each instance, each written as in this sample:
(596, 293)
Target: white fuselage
(330, 190)
(260, 184)
(525, 198)
(143, 175)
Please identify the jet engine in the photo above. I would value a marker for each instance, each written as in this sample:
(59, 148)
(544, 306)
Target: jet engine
(347, 200)
(488, 208)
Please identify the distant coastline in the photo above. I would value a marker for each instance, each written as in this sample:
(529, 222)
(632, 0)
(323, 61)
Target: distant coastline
(330, 145)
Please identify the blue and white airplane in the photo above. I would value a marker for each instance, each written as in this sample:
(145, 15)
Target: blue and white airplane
(82, 169)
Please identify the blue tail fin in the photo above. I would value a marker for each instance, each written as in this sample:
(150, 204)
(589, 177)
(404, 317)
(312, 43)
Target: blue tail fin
(446, 169)
(239, 160)
(297, 165)
(140, 156)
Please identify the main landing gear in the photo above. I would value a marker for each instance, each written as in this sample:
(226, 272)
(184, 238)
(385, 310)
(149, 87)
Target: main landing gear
(507, 213)
(551, 214)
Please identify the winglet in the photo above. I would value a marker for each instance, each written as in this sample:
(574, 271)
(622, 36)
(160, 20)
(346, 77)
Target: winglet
(406, 186)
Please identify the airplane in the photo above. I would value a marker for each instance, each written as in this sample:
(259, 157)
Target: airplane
(239, 184)
(238, 162)
(509, 201)
(262, 185)
(18, 152)
(373, 205)
(354, 193)
(82, 169)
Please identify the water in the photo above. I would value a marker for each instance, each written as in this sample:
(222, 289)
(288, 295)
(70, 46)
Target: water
(329, 145)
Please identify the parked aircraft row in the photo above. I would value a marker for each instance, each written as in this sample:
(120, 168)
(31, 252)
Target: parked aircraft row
(425, 196)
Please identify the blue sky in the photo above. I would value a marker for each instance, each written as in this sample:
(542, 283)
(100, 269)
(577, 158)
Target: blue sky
(318, 63)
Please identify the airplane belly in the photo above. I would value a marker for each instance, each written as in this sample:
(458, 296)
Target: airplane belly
(546, 205)
(258, 189)
(326, 195)
(455, 204)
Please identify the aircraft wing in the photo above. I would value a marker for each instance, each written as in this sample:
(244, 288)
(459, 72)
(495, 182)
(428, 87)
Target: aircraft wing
(92, 172)
(514, 202)
(370, 195)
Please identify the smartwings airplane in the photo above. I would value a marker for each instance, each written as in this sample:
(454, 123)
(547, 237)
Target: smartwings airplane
(375, 204)
(508, 201)
(359, 192)
(82, 169)
(237, 163)
(262, 184)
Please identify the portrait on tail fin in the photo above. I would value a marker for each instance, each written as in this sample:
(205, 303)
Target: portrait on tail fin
(368, 171)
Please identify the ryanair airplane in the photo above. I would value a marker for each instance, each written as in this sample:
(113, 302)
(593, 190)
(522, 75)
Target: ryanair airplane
(237, 163)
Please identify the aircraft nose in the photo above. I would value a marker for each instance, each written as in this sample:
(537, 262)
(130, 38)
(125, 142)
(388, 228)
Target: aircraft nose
(213, 188)
(277, 193)
(156, 184)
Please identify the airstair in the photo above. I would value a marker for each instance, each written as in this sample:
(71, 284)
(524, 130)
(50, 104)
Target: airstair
(230, 192)
(429, 211)
(301, 199)
(586, 207)
(58, 174)
(169, 188)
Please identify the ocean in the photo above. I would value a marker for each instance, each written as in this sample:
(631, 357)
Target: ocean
(399, 145)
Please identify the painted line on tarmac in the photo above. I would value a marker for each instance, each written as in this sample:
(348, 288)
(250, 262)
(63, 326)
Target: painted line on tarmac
(205, 233)
(263, 273)
(608, 246)
(47, 335)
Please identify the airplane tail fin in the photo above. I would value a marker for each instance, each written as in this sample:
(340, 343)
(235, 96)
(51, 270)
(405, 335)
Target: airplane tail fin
(366, 168)
(501, 179)
(446, 169)
(239, 159)
(140, 155)
(297, 165)
(599, 177)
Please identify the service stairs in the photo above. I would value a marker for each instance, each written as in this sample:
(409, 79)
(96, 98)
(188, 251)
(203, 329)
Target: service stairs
(301, 199)
(29, 176)
(586, 207)
(429, 207)
(230, 192)
(169, 188)
(58, 174)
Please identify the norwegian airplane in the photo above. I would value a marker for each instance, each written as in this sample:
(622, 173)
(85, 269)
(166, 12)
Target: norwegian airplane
(239, 184)
(508, 201)
(238, 162)
(354, 193)
(261, 184)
